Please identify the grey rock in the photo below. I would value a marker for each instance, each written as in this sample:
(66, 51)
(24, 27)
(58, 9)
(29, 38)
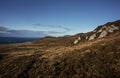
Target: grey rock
(103, 34)
(92, 37)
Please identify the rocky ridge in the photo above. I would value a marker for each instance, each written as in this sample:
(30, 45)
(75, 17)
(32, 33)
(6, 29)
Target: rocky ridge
(100, 32)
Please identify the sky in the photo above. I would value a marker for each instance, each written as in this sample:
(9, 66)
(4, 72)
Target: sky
(38, 18)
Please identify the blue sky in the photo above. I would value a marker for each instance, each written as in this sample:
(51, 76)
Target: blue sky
(56, 17)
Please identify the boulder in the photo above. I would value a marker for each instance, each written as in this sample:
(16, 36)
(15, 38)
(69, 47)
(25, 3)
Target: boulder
(76, 41)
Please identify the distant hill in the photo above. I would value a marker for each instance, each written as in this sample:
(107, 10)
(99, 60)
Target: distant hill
(94, 54)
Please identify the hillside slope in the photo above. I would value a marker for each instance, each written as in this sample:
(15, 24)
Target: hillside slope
(53, 57)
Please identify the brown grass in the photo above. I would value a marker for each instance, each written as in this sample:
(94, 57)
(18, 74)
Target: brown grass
(99, 58)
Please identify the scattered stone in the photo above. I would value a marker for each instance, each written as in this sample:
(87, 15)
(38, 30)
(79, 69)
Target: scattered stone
(76, 41)
(79, 38)
(86, 37)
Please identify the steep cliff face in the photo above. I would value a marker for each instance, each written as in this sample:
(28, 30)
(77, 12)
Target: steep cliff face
(99, 32)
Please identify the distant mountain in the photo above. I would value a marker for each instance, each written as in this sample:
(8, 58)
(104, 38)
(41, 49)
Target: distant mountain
(94, 54)
(66, 35)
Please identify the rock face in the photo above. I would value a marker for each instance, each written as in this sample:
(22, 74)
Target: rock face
(92, 37)
(103, 34)
(100, 32)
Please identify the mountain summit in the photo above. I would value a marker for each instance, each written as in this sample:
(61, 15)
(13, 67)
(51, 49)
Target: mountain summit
(95, 54)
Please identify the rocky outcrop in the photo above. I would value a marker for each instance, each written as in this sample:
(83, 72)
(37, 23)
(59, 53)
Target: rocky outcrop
(100, 32)
(92, 37)
(105, 30)
(77, 40)
(103, 34)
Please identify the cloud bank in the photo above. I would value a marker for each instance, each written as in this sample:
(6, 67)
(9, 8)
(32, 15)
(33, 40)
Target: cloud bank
(6, 32)
(53, 26)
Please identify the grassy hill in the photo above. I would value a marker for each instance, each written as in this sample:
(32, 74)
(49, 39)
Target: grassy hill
(54, 57)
